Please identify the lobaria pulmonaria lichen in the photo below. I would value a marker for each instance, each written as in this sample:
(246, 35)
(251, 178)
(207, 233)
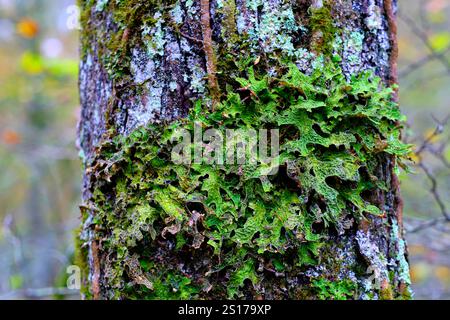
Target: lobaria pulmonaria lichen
(240, 229)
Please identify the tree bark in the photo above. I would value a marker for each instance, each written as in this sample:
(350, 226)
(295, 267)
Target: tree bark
(147, 62)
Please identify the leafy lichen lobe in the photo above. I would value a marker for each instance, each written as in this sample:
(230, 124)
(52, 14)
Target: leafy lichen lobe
(239, 229)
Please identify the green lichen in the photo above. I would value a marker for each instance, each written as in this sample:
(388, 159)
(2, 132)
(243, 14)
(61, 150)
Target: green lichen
(206, 231)
(234, 223)
(166, 285)
(334, 290)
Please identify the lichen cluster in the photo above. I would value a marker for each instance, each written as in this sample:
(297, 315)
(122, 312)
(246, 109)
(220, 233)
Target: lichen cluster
(238, 228)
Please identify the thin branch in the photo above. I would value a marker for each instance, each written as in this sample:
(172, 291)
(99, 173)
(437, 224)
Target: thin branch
(422, 62)
(435, 76)
(422, 15)
(427, 224)
(96, 270)
(428, 145)
(434, 191)
(437, 131)
(392, 23)
(211, 67)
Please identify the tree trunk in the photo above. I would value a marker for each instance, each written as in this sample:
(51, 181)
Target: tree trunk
(327, 225)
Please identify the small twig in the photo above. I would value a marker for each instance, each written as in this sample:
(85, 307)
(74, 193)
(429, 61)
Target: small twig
(211, 67)
(423, 61)
(437, 131)
(95, 270)
(420, 81)
(392, 23)
(428, 146)
(424, 38)
(441, 158)
(426, 225)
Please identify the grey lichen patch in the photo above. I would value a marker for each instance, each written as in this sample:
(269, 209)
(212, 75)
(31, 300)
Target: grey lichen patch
(152, 104)
(177, 13)
(374, 19)
(304, 60)
(196, 79)
(351, 44)
(241, 24)
(399, 248)
(338, 260)
(348, 259)
(95, 90)
(149, 64)
(145, 75)
(142, 68)
(273, 28)
(101, 4)
(173, 86)
(376, 260)
(362, 19)
(192, 7)
(377, 48)
(154, 37)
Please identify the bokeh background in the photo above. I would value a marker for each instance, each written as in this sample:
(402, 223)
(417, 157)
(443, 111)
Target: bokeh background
(40, 169)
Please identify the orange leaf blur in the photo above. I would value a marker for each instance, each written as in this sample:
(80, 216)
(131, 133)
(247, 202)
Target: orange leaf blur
(11, 137)
(27, 28)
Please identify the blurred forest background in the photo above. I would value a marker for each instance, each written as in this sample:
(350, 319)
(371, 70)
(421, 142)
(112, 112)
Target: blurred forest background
(40, 171)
